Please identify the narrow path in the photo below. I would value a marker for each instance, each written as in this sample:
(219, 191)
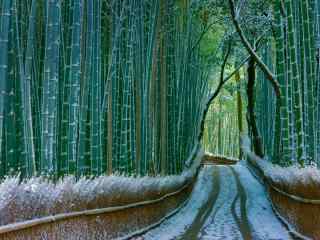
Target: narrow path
(222, 223)
(228, 204)
(204, 212)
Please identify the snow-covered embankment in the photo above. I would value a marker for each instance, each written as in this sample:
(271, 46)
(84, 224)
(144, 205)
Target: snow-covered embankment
(106, 207)
(294, 192)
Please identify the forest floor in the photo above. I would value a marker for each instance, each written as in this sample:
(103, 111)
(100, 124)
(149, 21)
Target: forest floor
(227, 203)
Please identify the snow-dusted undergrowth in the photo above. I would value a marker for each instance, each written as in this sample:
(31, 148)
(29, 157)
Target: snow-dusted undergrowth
(38, 197)
(303, 182)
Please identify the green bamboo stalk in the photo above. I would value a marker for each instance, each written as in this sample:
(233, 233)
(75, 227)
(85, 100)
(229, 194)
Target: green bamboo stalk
(283, 122)
(239, 109)
(84, 159)
(300, 148)
(11, 109)
(65, 87)
(163, 94)
(25, 72)
(309, 79)
(74, 90)
(48, 163)
(4, 37)
(138, 93)
(96, 102)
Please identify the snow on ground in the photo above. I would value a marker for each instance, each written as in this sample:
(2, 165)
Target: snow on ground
(227, 203)
(295, 177)
(221, 223)
(264, 223)
(175, 226)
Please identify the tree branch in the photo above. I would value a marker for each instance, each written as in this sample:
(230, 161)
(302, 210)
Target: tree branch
(270, 76)
(237, 69)
(216, 92)
(243, 62)
(202, 35)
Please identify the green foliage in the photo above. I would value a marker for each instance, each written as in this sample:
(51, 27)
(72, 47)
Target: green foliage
(222, 133)
(212, 40)
(93, 87)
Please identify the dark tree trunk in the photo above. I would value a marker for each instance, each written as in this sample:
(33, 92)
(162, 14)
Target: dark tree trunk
(239, 111)
(256, 139)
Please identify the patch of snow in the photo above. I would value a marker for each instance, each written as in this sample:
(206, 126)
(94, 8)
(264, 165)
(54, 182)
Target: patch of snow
(177, 225)
(293, 177)
(264, 223)
(221, 224)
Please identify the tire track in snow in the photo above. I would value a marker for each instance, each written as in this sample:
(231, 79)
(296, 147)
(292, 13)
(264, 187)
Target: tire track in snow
(261, 218)
(222, 223)
(234, 212)
(193, 231)
(176, 226)
(243, 222)
(226, 204)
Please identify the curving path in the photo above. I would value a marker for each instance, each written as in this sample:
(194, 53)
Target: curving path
(227, 203)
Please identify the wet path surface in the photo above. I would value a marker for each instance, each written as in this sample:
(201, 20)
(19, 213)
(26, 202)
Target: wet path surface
(227, 203)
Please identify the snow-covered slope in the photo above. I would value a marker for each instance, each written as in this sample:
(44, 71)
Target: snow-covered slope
(38, 197)
(264, 224)
(294, 180)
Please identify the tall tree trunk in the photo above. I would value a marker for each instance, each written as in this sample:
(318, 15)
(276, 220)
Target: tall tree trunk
(25, 72)
(163, 91)
(256, 139)
(239, 109)
(95, 90)
(4, 39)
(295, 79)
(74, 90)
(50, 89)
(282, 129)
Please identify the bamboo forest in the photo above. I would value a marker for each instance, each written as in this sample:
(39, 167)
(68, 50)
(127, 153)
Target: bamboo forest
(159, 119)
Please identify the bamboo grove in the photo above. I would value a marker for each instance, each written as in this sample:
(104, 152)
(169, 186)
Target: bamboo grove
(281, 74)
(221, 135)
(225, 121)
(291, 131)
(90, 87)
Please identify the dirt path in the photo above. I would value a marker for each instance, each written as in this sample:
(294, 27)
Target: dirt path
(234, 209)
